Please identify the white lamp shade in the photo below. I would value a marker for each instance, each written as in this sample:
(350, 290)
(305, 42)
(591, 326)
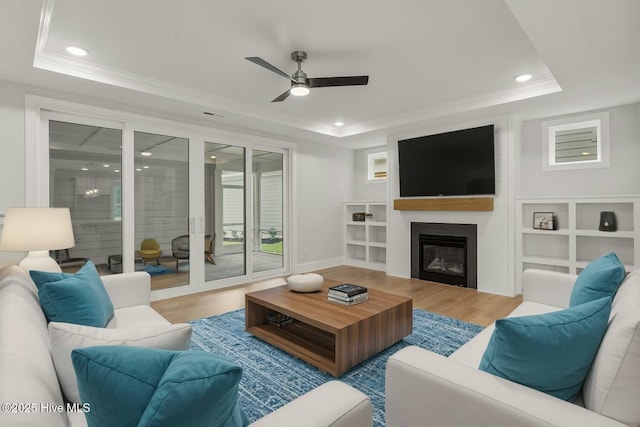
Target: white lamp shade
(37, 229)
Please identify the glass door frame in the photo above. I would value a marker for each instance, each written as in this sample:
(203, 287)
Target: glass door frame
(39, 110)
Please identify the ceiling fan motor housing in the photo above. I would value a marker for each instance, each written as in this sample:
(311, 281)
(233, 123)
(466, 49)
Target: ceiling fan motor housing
(298, 55)
(300, 77)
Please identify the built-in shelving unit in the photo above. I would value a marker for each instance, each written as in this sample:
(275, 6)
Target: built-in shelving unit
(576, 239)
(366, 241)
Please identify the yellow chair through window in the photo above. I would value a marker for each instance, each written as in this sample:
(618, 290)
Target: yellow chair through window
(150, 250)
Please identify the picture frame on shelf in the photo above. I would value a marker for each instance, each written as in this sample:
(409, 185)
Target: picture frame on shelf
(544, 221)
(358, 216)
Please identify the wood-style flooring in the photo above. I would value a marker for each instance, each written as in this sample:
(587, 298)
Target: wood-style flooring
(465, 304)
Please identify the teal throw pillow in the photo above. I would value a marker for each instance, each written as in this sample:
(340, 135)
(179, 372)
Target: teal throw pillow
(74, 298)
(600, 278)
(147, 387)
(550, 352)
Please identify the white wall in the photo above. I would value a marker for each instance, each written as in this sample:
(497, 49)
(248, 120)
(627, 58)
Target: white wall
(12, 158)
(12, 142)
(621, 178)
(364, 189)
(495, 229)
(323, 181)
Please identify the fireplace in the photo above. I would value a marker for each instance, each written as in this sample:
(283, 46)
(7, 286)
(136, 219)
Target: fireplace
(444, 253)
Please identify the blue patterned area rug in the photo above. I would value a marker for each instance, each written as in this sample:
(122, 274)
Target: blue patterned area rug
(156, 270)
(271, 377)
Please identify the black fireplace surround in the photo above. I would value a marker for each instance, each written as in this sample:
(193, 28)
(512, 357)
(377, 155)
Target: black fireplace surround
(449, 249)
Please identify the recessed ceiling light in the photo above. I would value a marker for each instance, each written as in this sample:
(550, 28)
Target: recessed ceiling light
(523, 78)
(138, 169)
(585, 153)
(84, 169)
(145, 153)
(105, 166)
(338, 124)
(212, 157)
(117, 171)
(145, 167)
(77, 51)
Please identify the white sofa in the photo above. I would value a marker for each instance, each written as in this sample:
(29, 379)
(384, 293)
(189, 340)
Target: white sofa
(30, 390)
(426, 389)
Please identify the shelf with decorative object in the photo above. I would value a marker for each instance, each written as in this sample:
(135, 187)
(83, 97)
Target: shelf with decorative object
(365, 227)
(583, 228)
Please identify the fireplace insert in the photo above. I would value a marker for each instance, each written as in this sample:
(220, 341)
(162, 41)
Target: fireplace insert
(445, 253)
(443, 259)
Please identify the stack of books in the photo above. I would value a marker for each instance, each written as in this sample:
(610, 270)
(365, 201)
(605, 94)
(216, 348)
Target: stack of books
(279, 319)
(348, 294)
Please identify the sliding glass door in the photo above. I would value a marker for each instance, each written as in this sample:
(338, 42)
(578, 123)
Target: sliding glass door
(230, 199)
(224, 195)
(268, 210)
(141, 200)
(161, 186)
(85, 164)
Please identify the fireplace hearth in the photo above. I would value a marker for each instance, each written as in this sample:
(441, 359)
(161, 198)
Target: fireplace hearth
(444, 253)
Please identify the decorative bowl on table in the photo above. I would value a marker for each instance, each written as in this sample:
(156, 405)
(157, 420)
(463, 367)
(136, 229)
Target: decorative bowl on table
(305, 282)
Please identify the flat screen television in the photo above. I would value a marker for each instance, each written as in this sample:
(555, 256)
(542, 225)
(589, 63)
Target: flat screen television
(458, 163)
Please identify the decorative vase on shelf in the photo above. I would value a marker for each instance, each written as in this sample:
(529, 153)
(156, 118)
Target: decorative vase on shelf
(608, 221)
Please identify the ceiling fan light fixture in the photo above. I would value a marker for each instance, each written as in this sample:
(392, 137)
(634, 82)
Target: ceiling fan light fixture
(299, 89)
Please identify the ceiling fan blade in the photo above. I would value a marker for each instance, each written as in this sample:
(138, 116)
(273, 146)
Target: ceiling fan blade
(282, 97)
(338, 81)
(261, 62)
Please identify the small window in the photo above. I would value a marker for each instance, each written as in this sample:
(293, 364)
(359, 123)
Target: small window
(576, 143)
(377, 166)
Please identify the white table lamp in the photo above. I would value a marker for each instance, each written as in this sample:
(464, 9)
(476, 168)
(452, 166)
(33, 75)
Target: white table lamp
(38, 231)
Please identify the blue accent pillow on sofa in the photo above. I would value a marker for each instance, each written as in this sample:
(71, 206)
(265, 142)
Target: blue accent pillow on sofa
(150, 387)
(74, 298)
(550, 352)
(600, 278)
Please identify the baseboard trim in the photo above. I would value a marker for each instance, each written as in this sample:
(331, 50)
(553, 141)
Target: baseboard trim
(317, 265)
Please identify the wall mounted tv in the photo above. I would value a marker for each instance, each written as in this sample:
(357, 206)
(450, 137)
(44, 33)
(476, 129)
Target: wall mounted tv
(458, 163)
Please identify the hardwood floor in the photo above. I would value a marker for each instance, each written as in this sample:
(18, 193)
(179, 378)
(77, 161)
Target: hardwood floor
(465, 304)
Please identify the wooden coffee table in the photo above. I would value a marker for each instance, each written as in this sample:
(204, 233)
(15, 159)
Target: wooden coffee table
(330, 336)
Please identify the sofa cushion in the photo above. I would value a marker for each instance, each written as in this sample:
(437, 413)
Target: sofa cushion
(471, 352)
(549, 352)
(65, 337)
(613, 384)
(74, 298)
(150, 387)
(600, 278)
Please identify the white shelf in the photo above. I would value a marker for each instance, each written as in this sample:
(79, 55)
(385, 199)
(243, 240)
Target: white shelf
(598, 233)
(562, 231)
(577, 241)
(377, 245)
(366, 241)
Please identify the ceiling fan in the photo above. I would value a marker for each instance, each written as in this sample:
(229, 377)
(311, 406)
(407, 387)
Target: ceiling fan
(300, 83)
